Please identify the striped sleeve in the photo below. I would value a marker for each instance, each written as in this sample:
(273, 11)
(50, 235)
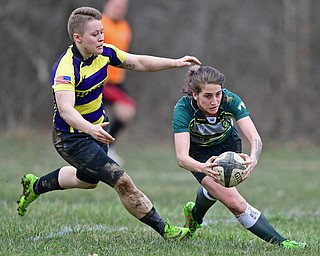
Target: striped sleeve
(63, 78)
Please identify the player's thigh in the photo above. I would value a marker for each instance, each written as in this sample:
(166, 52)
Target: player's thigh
(87, 155)
(78, 149)
(230, 197)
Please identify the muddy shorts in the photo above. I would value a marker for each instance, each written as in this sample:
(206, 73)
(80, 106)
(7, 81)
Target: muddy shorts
(88, 156)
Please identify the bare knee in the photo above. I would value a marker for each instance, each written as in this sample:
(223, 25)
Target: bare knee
(236, 205)
(125, 185)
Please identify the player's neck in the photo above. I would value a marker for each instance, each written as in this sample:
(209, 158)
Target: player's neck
(81, 53)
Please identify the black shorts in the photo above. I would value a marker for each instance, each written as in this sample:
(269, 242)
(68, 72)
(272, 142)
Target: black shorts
(88, 155)
(202, 154)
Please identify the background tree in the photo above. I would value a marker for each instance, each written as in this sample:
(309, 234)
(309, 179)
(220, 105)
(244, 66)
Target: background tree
(268, 51)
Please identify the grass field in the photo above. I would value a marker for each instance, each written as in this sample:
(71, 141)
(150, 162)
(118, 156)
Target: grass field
(284, 187)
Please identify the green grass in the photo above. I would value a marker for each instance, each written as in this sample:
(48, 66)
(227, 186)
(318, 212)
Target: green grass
(284, 186)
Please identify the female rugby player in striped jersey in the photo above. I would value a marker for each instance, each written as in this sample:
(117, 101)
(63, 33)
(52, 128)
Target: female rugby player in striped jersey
(80, 133)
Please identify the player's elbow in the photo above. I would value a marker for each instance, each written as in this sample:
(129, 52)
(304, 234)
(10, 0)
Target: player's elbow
(64, 114)
(180, 161)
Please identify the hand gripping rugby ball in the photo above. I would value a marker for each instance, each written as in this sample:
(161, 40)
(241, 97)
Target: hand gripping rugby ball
(230, 166)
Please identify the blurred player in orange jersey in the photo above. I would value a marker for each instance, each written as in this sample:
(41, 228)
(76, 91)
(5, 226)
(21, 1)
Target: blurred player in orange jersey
(117, 31)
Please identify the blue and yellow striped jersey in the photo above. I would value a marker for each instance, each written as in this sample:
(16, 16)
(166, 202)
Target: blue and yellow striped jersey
(86, 79)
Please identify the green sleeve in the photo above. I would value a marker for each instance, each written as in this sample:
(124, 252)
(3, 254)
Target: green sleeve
(181, 116)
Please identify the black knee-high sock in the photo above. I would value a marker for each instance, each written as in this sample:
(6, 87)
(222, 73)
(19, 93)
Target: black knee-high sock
(154, 220)
(202, 205)
(263, 229)
(116, 127)
(48, 182)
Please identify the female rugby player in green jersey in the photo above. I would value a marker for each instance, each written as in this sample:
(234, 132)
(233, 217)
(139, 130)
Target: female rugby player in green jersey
(203, 129)
(80, 132)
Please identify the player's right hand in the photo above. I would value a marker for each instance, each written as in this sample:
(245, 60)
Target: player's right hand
(187, 61)
(208, 169)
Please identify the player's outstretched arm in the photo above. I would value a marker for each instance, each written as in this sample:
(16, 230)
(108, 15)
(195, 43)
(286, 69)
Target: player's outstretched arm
(146, 63)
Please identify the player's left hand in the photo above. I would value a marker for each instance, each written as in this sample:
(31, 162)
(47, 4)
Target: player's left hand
(187, 61)
(250, 163)
(98, 132)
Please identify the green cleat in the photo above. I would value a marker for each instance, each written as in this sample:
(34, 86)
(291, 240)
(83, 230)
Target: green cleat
(289, 244)
(190, 221)
(173, 232)
(28, 195)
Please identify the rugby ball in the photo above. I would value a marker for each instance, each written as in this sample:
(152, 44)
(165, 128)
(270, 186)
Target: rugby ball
(230, 166)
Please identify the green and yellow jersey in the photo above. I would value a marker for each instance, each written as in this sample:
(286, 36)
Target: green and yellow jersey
(86, 79)
(208, 131)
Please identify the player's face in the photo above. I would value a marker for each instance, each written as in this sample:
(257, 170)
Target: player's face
(209, 99)
(91, 42)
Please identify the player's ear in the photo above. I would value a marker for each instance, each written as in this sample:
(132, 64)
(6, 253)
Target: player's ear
(76, 37)
(195, 95)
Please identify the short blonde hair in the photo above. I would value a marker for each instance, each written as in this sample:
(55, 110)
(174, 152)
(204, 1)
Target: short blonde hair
(79, 18)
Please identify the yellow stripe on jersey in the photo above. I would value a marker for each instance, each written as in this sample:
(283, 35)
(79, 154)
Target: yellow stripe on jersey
(65, 69)
(100, 121)
(89, 107)
(86, 79)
